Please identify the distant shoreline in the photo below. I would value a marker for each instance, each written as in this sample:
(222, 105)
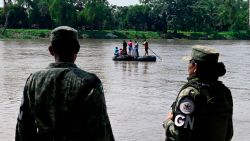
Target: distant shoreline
(128, 34)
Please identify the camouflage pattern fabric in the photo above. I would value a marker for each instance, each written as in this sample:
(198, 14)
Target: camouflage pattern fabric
(202, 112)
(63, 103)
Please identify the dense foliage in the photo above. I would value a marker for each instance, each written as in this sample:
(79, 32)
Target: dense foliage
(151, 15)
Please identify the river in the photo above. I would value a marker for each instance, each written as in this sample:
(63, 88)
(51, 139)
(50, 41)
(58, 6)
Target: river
(138, 94)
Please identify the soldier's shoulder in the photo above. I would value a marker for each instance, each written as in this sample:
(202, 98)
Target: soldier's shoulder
(44, 72)
(37, 73)
(82, 74)
(189, 91)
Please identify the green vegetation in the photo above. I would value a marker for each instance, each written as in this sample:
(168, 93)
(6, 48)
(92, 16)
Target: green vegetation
(99, 34)
(129, 34)
(155, 19)
(167, 17)
(25, 34)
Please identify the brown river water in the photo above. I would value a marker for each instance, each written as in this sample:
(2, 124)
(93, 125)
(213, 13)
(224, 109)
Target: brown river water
(138, 94)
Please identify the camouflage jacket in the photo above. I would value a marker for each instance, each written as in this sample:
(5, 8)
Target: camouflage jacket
(202, 112)
(63, 103)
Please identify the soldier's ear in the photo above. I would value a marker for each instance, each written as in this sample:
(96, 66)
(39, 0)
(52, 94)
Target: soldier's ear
(51, 50)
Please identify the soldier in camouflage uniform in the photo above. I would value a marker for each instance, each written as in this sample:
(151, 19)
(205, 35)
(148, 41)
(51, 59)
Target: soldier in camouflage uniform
(203, 108)
(63, 102)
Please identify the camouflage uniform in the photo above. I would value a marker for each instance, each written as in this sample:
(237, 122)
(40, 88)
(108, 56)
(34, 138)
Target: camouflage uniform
(206, 114)
(63, 103)
(204, 107)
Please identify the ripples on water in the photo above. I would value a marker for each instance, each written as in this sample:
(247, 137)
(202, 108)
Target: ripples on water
(138, 94)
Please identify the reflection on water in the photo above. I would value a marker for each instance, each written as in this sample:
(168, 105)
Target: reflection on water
(138, 94)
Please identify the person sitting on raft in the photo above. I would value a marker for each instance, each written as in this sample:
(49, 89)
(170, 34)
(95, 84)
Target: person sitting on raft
(120, 51)
(116, 52)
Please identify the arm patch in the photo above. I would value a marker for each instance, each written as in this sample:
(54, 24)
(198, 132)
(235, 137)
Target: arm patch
(186, 106)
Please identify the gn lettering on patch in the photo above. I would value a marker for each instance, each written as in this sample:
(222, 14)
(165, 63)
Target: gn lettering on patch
(184, 118)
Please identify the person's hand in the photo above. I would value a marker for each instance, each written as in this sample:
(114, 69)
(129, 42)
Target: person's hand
(170, 116)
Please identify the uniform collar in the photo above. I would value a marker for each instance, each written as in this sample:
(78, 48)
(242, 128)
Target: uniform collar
(193, 78)
(200, 80)
(62, 65)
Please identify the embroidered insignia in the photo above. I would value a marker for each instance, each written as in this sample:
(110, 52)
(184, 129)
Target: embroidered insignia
(184, 120)
(179, 120)
(187, 106)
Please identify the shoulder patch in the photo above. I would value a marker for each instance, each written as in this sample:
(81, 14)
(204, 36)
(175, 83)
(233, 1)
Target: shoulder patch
(186, 106)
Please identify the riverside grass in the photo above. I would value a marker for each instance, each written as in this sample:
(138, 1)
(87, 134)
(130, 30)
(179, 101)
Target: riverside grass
(128, 34)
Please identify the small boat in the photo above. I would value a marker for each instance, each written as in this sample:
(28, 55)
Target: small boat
(150, 58)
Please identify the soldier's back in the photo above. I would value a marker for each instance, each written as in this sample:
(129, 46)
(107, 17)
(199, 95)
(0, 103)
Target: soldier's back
(67, 103)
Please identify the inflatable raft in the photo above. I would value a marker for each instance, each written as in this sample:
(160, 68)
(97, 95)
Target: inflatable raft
(150, 58)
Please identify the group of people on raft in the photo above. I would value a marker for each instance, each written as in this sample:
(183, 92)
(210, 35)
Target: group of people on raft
(132, 50)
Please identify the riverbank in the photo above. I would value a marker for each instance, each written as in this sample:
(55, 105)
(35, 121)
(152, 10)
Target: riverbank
(128, 34)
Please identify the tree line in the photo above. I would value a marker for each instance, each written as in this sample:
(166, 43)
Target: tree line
(149, 15)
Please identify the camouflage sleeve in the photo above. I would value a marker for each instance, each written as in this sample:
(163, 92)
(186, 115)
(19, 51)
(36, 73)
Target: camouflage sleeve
(181, 126)
(170, 130)
(99, 124)
(25, 127)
